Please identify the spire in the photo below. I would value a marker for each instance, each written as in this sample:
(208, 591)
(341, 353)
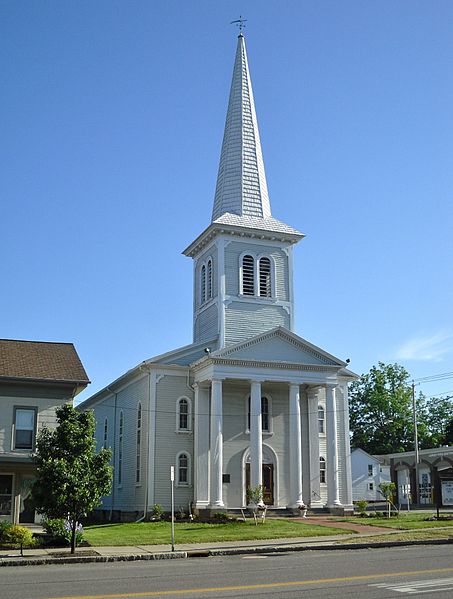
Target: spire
(241, 182)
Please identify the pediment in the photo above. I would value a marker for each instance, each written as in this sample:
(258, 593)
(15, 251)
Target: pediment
(279, 345)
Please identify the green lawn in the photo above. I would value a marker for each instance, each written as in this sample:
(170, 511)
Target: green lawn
(155, 533)
(405, 521)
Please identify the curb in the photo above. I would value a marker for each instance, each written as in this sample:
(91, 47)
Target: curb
(215, 553)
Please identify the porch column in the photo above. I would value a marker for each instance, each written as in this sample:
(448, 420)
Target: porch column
(333, 497)
(216, 444)
(256, 437)
(347, 499)
(201, 446)
(313, 427)
(295, 447)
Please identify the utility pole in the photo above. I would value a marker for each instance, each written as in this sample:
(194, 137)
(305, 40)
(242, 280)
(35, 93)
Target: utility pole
(414, 411)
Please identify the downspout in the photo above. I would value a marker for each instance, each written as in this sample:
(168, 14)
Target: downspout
(145, 507)
(113, 454)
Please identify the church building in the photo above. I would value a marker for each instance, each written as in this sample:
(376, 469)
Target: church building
(249, 402)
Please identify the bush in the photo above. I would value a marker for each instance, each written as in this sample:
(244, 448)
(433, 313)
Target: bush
(4, 526)
(157, 512)
(220, 517)
(361, 505)
(18, 536)
(59, 531)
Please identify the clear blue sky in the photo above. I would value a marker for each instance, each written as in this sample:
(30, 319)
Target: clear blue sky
(111, 121)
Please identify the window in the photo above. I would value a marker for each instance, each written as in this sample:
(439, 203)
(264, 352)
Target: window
(322, 470)
(138, 446)
(265, 277)
(203, 284)
(209, 280)
(370, 469)
(183, 469)
(120, 449)
(106, 431)
(183, 415)
(265, 414)
(24, 428)
(248, 275)
(370, 486)
(321, 415)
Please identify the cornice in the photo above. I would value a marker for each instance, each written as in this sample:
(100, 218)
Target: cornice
(220, 361)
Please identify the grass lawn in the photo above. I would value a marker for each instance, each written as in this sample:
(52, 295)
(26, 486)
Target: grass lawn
(155, 533)
(407, 535)
(405, 521)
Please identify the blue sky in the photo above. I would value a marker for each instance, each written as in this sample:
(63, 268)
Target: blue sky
(111, 121)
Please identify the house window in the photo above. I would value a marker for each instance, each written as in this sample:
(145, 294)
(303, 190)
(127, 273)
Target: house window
(106, 431)
(209, 280)
(265, 414)
(322, 470)
(24, 428)
(203, 284)
(321, 417)
(138, 445)
(183, 469)
(370, 469)
(183, 415)
(248, 275)
(120, 449)
(265, 277)
(371, 486)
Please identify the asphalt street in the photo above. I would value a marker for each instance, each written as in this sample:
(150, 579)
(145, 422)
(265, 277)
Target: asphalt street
(367, 573)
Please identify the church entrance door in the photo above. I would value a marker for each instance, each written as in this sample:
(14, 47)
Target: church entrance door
(268, 482)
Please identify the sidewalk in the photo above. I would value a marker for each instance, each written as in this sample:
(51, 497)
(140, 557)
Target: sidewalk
(363, 537)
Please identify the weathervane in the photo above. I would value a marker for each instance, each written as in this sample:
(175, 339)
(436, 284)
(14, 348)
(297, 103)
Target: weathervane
(239, 23)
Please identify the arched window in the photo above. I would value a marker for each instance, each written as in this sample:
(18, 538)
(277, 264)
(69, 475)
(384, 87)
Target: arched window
(183, 415)
(322, 470)
(120, 449)
(321, 415)
(248, 275)
(106, 431)
(138, 444)
(209, 280)
(265, 414)
(265, 286)
(183, 469)
(203, 284)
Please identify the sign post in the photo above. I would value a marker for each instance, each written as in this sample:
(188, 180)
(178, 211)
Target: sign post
(172, 479)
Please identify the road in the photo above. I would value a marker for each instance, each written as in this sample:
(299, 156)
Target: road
(371, 573)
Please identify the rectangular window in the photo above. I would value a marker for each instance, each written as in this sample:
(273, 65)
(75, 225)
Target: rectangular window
(371, 486)
(370, 469)
(24, 428)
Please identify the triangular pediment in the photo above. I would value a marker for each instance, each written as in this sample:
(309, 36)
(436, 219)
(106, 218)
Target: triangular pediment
(279, 345)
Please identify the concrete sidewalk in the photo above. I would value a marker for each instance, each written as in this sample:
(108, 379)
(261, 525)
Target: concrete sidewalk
(157, 552)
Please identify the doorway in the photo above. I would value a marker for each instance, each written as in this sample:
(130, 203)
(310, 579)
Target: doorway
(6, 497)
(268, 482)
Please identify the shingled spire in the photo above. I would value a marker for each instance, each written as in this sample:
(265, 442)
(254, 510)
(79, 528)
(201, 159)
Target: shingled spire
(241, 182)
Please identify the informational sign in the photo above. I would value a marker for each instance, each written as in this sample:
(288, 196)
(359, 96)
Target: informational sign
(447, 492)
(172, 473)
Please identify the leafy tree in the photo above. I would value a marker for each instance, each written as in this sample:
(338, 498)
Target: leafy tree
(381, 418)
(71, 476)
(435, 414)
(448, 435)
(387, 490)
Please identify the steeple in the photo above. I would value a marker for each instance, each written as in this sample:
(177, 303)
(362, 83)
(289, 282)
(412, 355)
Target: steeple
(241, 181)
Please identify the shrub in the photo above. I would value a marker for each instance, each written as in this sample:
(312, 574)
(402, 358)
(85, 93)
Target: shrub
(4, 526)
(157, 511)
(361, 505)
(220, 517)
(18, 536)
(59, 531)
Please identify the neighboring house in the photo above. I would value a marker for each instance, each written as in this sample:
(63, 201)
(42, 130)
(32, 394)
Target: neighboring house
(249, 402)
(432, 464)
(35, 378)
(368, 472)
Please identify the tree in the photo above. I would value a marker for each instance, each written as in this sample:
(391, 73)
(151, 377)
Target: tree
(387, 490)
(448, 436)
(71, 477)
(380, 407)
(435, 414)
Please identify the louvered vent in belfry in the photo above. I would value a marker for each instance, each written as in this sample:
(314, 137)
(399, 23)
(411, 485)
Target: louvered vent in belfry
(265, 277)
(248, 275)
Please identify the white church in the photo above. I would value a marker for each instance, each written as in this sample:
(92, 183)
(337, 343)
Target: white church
(249, 402)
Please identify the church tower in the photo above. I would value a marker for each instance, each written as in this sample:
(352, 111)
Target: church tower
(243, 273)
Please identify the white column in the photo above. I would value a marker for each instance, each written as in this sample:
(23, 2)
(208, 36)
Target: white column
(347, 500)
(201, 447)
(256, 437)
(216, 444)
(333, 498)
(313, 427)
(295, 447)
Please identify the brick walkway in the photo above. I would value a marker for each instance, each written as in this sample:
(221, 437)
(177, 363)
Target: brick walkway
(356, 527)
